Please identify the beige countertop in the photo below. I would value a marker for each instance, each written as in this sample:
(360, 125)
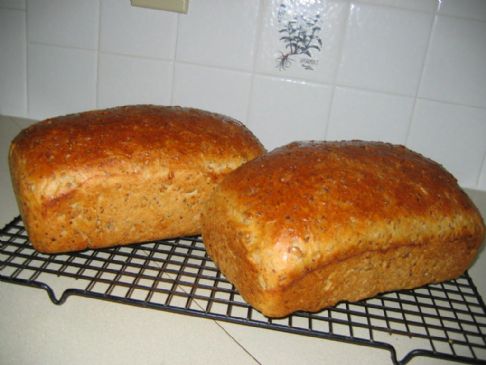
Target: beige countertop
(90, 331)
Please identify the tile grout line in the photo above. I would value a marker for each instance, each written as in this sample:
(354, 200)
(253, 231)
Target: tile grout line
(420, 81)
(27, 98)
(253, 73)
(390, 6)
(98, 56)
(395, 7)
(174, 60)
(461, 17)
(334, 84)
(6, 7)
(481, 168)
(266, 74)
(47, 44)
(436, 11)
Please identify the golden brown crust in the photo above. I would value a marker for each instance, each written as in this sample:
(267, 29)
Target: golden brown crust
(305, 208)
(122, 175)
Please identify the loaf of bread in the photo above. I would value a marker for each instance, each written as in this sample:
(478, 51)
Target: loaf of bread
(315, 223)
(122, 175)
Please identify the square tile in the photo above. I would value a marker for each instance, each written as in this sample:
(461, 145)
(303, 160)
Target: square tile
(384, 49)
(137, 31)
(219, 33)
(473, 9)
(455, 66)
(419, 5)
(216, 90)
(124, 80)
(61, 80)
(280, 54)
(358, 114)
(452, 135)
(283, 110)
(69, 23)
(13, 63)
(13, 4)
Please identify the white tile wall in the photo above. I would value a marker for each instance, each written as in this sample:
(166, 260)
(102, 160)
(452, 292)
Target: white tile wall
(453, 135)
(482, 178)
(473, 9)
(219, 33)
(126, 80)
(358, 114)
(60, 80)
(70, 23)
(225, 91)
(8, 131)
(287, 110)
(455, 69)
(384, 48)
(13, 60)
(13, 4)
(419, 5)
(404, 71)
(137, 31)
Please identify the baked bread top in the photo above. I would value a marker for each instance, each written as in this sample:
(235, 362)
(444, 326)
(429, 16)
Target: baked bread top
(308, 204)
(124, 140)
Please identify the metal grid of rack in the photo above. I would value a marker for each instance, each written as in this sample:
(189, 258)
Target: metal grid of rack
(446, 320)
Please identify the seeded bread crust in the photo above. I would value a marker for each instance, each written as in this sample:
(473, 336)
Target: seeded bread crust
(312, 224)
(122, 175)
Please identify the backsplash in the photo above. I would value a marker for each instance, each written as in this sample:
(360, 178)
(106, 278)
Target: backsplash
(411, 72)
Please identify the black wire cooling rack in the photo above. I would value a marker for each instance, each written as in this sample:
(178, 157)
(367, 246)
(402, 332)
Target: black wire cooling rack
(445, 320)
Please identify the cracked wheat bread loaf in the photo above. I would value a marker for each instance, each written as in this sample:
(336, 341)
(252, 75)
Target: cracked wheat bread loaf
(122, 175)
(312, 224)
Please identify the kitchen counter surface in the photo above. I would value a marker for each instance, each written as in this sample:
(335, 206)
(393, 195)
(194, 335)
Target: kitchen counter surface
(90, 331)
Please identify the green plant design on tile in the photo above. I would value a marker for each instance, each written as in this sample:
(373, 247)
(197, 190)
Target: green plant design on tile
(300, 36)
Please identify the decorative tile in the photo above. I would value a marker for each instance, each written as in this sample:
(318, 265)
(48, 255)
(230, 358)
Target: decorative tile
(473, 9)
(419, 5)
(12, 4)
(137, 31)
(452, 135)
(61, 80)
(127, 80)
(13, 61)
(216, 90)
(219, 33)
(358, 114)
(283, 111)
(455, 65)
(301, 39)
(384, 49)
(69, 23)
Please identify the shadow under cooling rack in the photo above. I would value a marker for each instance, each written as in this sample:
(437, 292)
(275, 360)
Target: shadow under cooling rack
(446, 320)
